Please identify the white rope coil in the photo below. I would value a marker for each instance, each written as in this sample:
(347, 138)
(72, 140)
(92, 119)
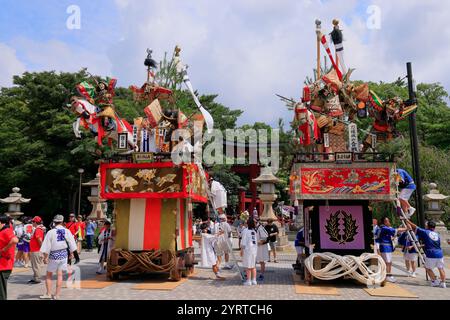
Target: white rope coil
(354, 267)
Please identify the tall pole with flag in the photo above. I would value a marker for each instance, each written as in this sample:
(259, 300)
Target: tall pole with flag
(182, 69)
(415, 147)
(330, 55)
(337, 38)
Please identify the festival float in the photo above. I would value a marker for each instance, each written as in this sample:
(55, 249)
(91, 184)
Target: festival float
(153, 194)
(334, 178)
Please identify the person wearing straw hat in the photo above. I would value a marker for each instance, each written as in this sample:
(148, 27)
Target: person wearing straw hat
(57, 246)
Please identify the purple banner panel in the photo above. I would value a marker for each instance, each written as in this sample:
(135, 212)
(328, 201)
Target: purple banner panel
(341, 227)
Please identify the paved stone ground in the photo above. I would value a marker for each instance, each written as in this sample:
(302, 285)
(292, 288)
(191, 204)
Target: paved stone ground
(278, 285)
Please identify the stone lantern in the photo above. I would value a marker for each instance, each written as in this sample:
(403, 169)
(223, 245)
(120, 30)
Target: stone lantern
(434, 212)
(267, 195)
(98, 204)
(14, 201)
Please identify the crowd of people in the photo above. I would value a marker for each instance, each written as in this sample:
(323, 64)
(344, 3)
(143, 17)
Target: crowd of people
(62, 244)
(256, 241)
(27, 242)
(386, 237)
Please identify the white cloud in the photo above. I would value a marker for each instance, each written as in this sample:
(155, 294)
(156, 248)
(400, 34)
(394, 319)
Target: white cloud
(249, 50)
(59, 56)
(10, 65)
(246, 51)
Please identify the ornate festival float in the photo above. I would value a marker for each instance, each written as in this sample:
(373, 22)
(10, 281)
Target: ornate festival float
(334, 177)
(153, 192)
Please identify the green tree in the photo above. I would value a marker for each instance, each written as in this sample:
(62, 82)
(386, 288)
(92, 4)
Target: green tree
(433, 113)
(36, 139)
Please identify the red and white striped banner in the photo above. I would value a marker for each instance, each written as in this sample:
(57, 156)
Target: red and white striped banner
(327, 49)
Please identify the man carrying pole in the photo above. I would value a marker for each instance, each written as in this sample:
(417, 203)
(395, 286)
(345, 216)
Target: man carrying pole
(434, 257)
(415, 147)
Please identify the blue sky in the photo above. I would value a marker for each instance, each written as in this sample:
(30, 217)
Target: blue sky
(46, 19)
(244, 50)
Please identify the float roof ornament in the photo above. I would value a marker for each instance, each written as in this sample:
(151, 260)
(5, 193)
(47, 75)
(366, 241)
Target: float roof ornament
(149, 62)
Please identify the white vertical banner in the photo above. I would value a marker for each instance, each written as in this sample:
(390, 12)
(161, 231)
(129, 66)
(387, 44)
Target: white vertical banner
(374, 141)
(136, 224)
(326, 140)
(151, 141)
(135, 134)
(122, 141)
(144, 140)
(353, 137)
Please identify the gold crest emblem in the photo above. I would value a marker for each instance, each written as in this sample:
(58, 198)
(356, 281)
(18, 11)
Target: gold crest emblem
(341, 227)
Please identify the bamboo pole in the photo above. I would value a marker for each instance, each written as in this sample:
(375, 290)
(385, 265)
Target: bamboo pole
(319, 35)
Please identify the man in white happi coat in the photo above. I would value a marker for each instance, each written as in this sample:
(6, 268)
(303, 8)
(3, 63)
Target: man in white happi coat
(249, 249)
(58, 245)
(224, 244)
(219, 195)
(209, 257)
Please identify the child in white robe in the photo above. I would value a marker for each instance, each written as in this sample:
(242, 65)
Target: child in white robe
(263, 248)
(249, 248)
(209, 257)
(106, 240)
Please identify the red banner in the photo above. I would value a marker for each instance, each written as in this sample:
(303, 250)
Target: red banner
(342, 182)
